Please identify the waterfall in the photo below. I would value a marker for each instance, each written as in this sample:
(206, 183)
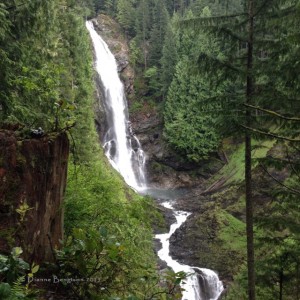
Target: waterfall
(121, 147)
(124, 152)
(210, 285)
(202, 284)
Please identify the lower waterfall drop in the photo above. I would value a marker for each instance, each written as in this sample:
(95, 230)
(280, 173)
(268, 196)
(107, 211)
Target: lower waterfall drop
(202, 284)
(125, 154)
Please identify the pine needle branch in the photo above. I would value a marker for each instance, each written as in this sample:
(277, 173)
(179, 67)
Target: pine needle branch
(271, 112)
(203, 57)
(194, 22)
(230, 33)
(262, 7)
(279, 137)
(294, 191)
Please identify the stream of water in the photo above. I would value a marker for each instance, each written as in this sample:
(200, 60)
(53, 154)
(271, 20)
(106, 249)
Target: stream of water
(121, 147)
(212, 287)
(125, 154)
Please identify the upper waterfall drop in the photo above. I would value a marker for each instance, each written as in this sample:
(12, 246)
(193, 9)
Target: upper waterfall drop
(121, 146)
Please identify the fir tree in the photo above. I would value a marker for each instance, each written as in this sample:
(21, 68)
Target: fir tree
(247, 39)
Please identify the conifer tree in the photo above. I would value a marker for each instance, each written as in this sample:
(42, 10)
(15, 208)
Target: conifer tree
(5, 61)
(142, 28)
(169, 58)
(189, 125)
(247, 39)
(126, 16)
(160, 20)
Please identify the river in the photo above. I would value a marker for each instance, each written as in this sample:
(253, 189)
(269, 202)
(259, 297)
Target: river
(125, 154)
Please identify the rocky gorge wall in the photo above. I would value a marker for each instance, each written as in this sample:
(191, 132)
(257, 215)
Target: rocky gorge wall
(33, 174)
(165, 168)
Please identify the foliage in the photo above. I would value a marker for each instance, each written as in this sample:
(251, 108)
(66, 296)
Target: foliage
(12, 266)
(12, 275)
(51, 86)
(100, 268)
(169, 58)
(46, 79)
(126, 15)
(233, 232)
(96, 200)
(189, 131)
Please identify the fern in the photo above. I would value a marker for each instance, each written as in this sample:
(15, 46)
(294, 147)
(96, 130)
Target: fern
(18, 290)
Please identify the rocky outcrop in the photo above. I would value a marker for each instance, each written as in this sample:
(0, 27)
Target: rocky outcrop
(33, 174)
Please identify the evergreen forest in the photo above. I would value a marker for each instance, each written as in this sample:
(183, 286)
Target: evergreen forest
(222, 78)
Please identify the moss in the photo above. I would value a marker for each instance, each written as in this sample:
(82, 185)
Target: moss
(260, 149)
(232, 232)
(221, 241)
(117, 48)
(21, 160)
(234, 172)
(157, 167)
(136, 107)
(237, 207)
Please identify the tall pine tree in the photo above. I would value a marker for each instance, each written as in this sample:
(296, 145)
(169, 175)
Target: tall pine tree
(248, 41)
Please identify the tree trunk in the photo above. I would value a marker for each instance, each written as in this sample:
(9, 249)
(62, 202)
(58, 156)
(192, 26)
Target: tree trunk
(33, 176)
(280, 283)
(248, 159)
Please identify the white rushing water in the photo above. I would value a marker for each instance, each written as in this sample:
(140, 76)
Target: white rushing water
(121, 146)
(125, 154)
(212, 287)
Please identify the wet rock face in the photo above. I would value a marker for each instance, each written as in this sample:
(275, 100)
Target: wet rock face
(100, 115)
(33, 176)
(165, 168)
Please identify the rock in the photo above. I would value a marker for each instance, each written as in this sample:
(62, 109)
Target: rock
(161, 264)
(122, 63)
(100, 115)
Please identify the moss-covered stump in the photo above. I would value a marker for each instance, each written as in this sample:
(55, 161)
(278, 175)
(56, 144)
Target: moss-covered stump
(32, 181)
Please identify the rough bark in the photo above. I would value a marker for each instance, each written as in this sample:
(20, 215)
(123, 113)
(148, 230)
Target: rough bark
(32, 172)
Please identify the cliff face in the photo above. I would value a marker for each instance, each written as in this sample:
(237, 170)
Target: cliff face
(33, 176)
(165, 168)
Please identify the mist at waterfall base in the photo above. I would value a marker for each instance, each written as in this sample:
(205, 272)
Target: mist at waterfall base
(125, 154)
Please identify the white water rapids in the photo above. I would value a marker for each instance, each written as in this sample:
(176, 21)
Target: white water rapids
(192, 291)
(125, 154)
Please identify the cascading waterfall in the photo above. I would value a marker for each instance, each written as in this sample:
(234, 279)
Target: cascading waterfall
(125, 154)
(203, 284)
(121, 146)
